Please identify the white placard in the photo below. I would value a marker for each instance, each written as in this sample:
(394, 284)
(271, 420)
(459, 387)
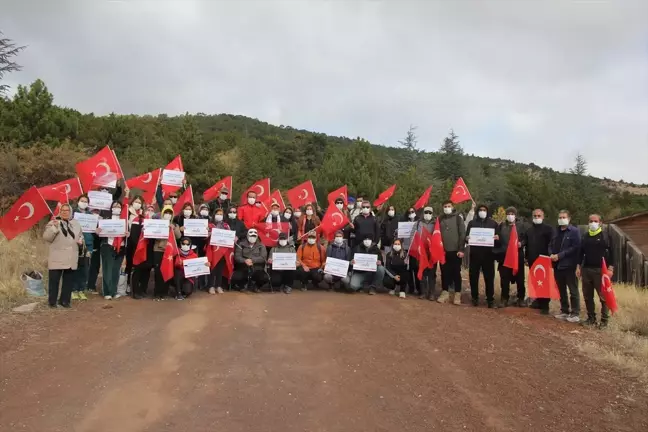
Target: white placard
(172, 177)
(365, 262)
(196, 267)
(156, 228)
(88, 221)
(482, 237)
(284, 261)
(222, 237)
(100, 200)
(196, 227)
(336, 267)
(106, 180)
(112, 227)
(405, 229)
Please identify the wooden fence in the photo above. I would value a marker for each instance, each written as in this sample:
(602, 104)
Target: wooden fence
(631, 264)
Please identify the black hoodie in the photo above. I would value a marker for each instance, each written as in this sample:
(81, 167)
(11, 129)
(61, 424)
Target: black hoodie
(477, 222)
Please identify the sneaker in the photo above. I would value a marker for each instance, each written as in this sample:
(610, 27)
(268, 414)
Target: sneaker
(179, 297)
(443, 298)
(491, 305)
(504, 302)
(393, 292)
(65, 305)
(562, 316)
(75, 295)
(475, 302)
(372, 291)
(82, 296)
(456, 299)
(401, 294)
(257, 290)
(589, 322)
(212, 290)
(219, 290)
(303, 289)
(535, 304)
(107, 297)
(287, 290)
(53, 306)
(573, 318)
(117, 296)
(603, 325)
(158, 299)
(521, 303)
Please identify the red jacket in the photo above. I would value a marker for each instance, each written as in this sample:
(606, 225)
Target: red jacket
(250, 215)
(179, 261)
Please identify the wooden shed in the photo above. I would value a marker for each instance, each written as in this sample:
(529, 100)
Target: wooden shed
(635, 228)
(630, 238)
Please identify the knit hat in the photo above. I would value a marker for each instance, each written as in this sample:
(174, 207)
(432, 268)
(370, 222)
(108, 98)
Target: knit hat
(202, 206)
(511, 210)
(283, 236)
(351, 200)
(224, 190)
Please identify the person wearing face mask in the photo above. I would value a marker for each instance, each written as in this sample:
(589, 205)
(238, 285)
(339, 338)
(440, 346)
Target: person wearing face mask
(288, 218)
(366, 224)
(538, 237)
(360, 278)
(357, 210)
(594, 247)
(250, 259)
(82, 273)
(482, 259)
(427, 287)
(351, 204)
(563, 250)
(215, 279)
(307, 222)
(503, 235)
(235, 223)
(282, 279)
(249, 213)
(183, 285)
(340, 250)
(274, 216)
(396, 265)
(339, 204)
(135, 222)
(453, 233)
(186, 213)
(65, 246)
(201, 282)
(222, 202)
(388, 229)
(311, 258)
(112, 250)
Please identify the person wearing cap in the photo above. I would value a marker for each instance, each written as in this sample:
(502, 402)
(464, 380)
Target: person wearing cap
(183, 285)
(250, 213)
(357, 210)
(274, 215)
(250, 260)
(215, 278)
(282, 279)
(222, 202)
(426, 287)
(350, 204)
(482, 258)
(340, 250)
(311, 258)
(503, 234)
(360, 278)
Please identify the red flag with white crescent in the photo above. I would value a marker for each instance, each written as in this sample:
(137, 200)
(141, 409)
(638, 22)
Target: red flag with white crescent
(301, 195)
(174, 165)
(99, 170)
(339, 193)
(333, 220)
(147, 183)
(435, 245)
(186, 197)
(607, 292)
(63, 191)
(384, 196)
(214, 192)
(423, 200)
(24, 214)
(460, 192)
(170, 252)
(261, 188)
(269, 232)
(542, 283)
(229, 265)
(511, 259)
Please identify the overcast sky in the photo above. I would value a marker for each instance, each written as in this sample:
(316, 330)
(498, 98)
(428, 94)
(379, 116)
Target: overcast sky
(525, 80)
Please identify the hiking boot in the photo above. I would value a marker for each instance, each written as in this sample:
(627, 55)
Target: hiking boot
(456, 299)
(573, 318)
(212, 290)
(603, 325)
(372, 291)
(443, 298)
(475, 302)
(544, 311)
(82, 296)
(75, 295)
(503, 302)
(401, 294)
(219, 290)
(589, 322)
(562, 316)
(520, 303)
(491, 304)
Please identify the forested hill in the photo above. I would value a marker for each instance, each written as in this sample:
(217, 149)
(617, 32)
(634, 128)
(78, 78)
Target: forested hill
(40, 143)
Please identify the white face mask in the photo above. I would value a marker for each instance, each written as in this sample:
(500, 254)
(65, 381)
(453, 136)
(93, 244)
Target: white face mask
(563, 221)
(287, 215)
(350, 206)
(283, 243)
(397, 248)
(358, 204)
(427, 217)
(219, 217)
(232, 215)
(137, 206)
(391, 213)
(537, 221)
(186, 213)
(412, 216)
(510, 218)
(167, 216)
(339, 240)
(297, 215)
(174, 200)
(339, 206)
(252, 239)
(251, 201)
(447, 210)
(482, 214)
(185, 248)
(205, 213)
(223, 197)
(311, 241)
(309, 212)
(116, 211)
(366, 210)
(367, 243)
(593, 226)
(274, 213)
(83, 205)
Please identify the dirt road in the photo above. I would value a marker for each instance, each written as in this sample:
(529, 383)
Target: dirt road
(306, 362)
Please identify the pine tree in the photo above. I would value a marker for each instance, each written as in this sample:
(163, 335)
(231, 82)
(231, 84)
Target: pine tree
(449, 159)
(8, 49)
(410, 143)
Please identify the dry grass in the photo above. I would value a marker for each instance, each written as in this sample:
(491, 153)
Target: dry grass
(26, 252)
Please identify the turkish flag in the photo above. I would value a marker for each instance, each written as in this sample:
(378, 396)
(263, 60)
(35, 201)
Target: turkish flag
(186, 197)
(229, 265)
(147, 183)
(339, 193)
(261, 188)
(101, 169)
(460, 192)
(214, 192)
(424, 253)
(272, 199)
(117, 243)
(302, 195)
(541, 279)
(422, 202)
(140, 250)
(63, 191)
(170, 251)
(384, 196)
(333, 220)
(607, 292)
(215, 253)
(269, 232)
(24, 214)
(174, 165)
(437, 253)
(415, 246)
(511, 260)
(57, 211)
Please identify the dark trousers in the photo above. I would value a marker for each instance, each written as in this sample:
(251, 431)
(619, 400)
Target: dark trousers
(314, 275)
(140, 279)
(216, 276)
(451, 272)
(110, 265)
(130, 251)
(161, 288)
(405, 279)
(93, 271)
(69, 281)
(591, 278)
(81, 278)
(568, 288)
(415, 286)
(183, 285)
(256, 275)
(279, 278)
(486, 265)
(506, 277)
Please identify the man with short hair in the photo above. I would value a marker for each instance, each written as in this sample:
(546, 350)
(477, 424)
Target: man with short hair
(366, 224)
(538, 237)
(564, 249)
(482, 258)
(503, 234)
(222, 202)
(453, 233)
(250, 259)
(360, 277)
(339, 250)
(311, 259)
(249, 213)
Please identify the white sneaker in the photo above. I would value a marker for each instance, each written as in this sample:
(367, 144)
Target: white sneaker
(392, 292)
(562, 316)
(107, 297)
(573, 319)
(117, 296)
(219, 290)
(401, 294)
(212, 290)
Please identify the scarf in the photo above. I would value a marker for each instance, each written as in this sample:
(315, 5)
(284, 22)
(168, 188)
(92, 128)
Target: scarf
(593, 233)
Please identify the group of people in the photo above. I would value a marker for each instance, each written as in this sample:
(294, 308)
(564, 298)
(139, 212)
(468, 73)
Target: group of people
(76, 257)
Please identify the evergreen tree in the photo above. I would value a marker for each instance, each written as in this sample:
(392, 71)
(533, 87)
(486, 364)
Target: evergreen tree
(8, 50)
(449, 158)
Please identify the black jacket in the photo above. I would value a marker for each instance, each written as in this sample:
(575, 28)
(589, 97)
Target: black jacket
(373, 249)
(218, 204)
(504, 232)
(238, 226)
(388, 229)
(538, 238)
(366, 225)
(395, 263)
(477, 222)
(594, 248)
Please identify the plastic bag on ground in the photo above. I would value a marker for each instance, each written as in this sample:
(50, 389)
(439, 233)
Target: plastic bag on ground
(33, 283)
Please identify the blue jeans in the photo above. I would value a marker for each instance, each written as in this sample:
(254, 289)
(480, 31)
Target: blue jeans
(359, 278)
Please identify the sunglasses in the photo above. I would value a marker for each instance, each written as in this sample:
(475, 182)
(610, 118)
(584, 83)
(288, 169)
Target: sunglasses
(427, 212)
(366, 207)
(186, 244)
